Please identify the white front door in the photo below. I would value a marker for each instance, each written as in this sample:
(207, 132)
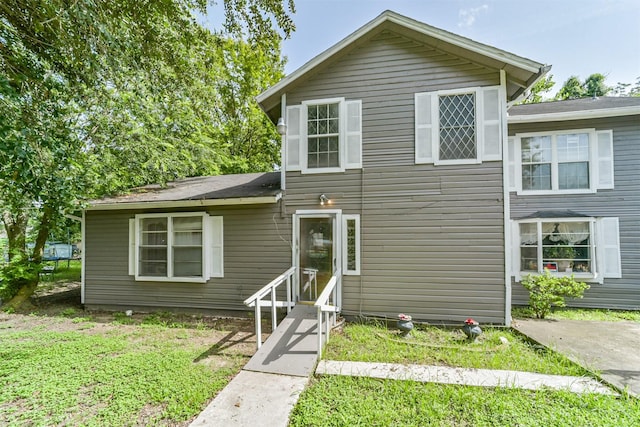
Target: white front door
(316, 253)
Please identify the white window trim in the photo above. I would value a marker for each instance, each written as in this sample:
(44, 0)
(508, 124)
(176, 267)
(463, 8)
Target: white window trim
(593, 172)
(593, 250)
(342, 136)
(435, 100)
(134, 231)
(345, 249)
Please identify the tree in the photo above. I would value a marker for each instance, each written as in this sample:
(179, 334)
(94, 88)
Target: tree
(593, 86)
(542, 86)
(97, 97)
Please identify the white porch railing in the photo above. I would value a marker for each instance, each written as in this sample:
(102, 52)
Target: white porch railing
(327, 304)
(256, 301)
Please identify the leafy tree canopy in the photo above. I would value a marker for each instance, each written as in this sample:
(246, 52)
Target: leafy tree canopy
(100, 96)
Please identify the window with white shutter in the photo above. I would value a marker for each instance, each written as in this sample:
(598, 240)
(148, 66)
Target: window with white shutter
(459, 126)
(324, 135)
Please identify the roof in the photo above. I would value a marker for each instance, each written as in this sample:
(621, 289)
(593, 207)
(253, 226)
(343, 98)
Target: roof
(236, 189)
(521, 72)
(575, 109)
(555, 214)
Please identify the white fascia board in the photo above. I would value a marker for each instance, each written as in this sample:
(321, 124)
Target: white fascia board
(420, 27)
(575, 115)
(185, 203)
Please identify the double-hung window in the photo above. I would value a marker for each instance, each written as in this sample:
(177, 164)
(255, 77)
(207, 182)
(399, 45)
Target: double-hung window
(324, 135)
(575, 161)
(182, 247)
(459, 126)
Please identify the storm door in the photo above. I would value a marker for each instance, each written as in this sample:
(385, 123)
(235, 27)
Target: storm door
(317, 253)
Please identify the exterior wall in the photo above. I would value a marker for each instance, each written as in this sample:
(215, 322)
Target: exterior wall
(432, 237)
(256, 250)
(623, 201)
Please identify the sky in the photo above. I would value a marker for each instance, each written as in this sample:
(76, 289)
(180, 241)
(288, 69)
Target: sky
(576, 37)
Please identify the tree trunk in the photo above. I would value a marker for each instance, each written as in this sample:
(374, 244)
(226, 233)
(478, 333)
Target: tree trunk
(16, 228)
(30, 284)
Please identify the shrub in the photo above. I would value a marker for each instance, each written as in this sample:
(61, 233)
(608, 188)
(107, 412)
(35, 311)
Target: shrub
(16, 274)
(546, 290)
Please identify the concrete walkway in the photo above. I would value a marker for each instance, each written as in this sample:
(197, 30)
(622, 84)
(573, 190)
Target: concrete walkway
(611, 349)
(462, 376)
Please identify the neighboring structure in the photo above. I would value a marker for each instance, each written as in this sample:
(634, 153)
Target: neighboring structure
(394, 174)
(575, 196)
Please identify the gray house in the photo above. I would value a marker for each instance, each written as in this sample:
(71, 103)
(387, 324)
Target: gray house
(396, 176)
(574, 185)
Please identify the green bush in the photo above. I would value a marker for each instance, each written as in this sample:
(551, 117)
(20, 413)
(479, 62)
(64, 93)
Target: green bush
(546, 290)
(18, 272)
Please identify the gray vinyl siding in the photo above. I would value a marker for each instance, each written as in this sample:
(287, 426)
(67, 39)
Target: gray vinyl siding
(432, 237)
(255, 252)
(623, 202)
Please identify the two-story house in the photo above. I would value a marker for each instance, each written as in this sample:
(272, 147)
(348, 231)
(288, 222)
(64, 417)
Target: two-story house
(398, 173)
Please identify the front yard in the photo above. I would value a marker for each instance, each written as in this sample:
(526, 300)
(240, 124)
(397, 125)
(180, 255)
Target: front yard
(67, 368)
(350, 401)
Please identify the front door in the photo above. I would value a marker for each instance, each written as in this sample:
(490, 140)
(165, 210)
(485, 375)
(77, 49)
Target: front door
(317, 253)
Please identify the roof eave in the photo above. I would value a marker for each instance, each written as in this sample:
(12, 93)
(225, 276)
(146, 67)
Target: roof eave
(172, 204)
(575, 115)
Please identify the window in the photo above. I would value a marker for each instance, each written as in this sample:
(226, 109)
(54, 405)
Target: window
(351, 244)
(559, 246)
(178, 247)
(324, 136)
(577, 161)
(459, 127)
(587, 247)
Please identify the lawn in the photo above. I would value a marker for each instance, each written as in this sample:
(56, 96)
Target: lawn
(600, 314)
(350, 401)
(114, 370)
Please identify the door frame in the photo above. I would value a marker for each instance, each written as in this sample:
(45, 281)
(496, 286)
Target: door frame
(336, 214)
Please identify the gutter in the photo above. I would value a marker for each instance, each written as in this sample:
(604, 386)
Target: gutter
(184, 203)
(574, 115)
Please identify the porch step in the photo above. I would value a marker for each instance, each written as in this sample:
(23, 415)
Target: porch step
(292, 349)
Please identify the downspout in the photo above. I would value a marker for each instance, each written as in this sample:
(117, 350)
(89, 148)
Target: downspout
(507, 205)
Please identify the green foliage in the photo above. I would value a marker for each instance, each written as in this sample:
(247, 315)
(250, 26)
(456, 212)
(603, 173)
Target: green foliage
(440, 346)
(15, 274)
(547, 290)
(541, 87)
(593, 86)
(125, 377)
(334, 400)
(599, 314)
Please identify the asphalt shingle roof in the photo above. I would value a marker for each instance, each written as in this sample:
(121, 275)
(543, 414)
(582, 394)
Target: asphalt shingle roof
(574, 105)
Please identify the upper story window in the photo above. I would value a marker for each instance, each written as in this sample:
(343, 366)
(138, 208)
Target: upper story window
(181, 247)
(324, 136)
(459, 126)
(576, 161)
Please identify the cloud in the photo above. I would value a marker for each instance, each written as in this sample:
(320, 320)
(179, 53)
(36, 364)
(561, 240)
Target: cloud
(468, 16)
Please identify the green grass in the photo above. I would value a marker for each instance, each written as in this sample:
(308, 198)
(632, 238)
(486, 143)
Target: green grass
(144, 375)
(440, 346)
(581, 314)
(353, 401)
(63, 273)
(350, 401)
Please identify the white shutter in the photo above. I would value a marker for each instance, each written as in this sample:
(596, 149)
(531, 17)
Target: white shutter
(425, 118)
(294, 137)
(354, 135)
(491, 129)
(215, 255)
(511, 171)
(604, 159)
(515, 250)
(608, 248)
(132, 246)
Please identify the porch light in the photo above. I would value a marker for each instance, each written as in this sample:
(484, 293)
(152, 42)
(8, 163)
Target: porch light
(281, 126)
(324, 200)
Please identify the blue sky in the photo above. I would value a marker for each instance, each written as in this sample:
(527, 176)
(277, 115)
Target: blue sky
(577, 37)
